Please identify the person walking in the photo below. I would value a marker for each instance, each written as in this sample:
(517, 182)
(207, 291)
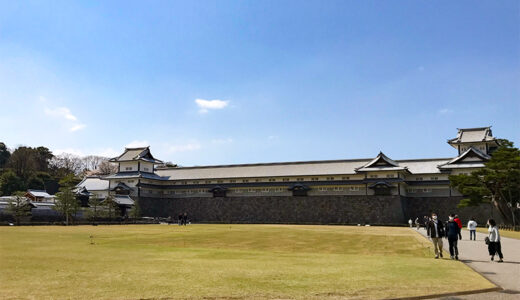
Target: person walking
(472, 227)
(185, 218)
(435, 230)
(180, 219)
(410, 222)
(459, 223)
(453, 235)
(494, 246)
(417, 224)
(426, 220)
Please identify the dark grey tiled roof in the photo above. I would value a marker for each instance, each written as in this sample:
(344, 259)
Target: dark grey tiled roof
(472, 135)
(132, 154)
(135, 174)
(462, 160)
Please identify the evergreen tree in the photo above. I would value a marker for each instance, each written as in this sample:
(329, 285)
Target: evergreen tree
(4, 154)
(497, 183)
(10, 183)
(95, 204)
(135, 211)
(111, 206)
(19, 207)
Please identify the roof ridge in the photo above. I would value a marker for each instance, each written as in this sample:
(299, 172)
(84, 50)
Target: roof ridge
(298, 162)
(267, 164)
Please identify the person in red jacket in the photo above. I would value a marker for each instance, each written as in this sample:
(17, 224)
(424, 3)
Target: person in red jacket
(459, 223)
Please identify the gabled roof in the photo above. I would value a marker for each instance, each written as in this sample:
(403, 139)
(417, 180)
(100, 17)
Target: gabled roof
(381, 184)
(121, 186)
(299, 186)
(82, 191)
(381, 163)
(218, 188)
(473, 135)
(134, 154)
(123, 200)
(471, 158)
(93, 183)
(39, 193)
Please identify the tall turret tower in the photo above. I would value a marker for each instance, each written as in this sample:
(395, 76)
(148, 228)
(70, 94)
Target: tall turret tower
(134, 166)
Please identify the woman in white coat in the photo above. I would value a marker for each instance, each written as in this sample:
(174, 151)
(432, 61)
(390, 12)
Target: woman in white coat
(494, 246)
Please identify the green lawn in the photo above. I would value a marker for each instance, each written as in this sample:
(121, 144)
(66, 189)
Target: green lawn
(223, 261)
(504, 233)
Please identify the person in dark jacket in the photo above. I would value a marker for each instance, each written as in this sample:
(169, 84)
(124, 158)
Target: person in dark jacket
(459, 222)
(435, 230)
(185, 218)
(453, 235)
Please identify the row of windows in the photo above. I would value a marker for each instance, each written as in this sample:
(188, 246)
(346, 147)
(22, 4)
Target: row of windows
(289, 179)
(338, 189)
(419, 190)
(431, 178)
(377, 176)
(251, 190)
(261, 180)
(131, 168)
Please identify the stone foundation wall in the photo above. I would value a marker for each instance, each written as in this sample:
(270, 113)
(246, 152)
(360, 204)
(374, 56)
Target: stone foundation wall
(312, 209)
(284, 209)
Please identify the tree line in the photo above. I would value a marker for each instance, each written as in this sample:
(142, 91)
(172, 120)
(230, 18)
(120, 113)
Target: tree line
(38, 168)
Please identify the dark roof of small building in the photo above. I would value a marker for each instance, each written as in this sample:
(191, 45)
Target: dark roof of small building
(121, 186)
(39, 193)
(123, 200)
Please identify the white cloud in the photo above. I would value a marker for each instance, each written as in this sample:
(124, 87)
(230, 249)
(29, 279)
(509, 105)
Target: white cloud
(65, 114)
(77, 127)
(136, 144)
(60, 112)
(184, 147)
(445, 111)
(272, 137)
(206, 105)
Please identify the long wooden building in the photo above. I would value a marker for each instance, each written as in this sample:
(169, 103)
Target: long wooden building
(376, 190)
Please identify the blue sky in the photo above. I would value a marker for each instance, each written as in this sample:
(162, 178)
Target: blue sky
(294, 80)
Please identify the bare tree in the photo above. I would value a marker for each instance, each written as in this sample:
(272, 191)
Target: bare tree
(92, 162)
(106, 168)
(69, 162)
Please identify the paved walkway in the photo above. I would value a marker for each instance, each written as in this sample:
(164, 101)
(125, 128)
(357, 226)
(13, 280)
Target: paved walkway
(475, 254)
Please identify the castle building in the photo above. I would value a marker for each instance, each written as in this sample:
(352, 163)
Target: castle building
(380, 189)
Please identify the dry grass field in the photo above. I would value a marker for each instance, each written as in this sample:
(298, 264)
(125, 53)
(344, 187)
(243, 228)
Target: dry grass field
(504, 233)
(223, 261)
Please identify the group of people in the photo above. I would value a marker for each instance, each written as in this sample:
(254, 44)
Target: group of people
(451, 230)
(183, 219)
